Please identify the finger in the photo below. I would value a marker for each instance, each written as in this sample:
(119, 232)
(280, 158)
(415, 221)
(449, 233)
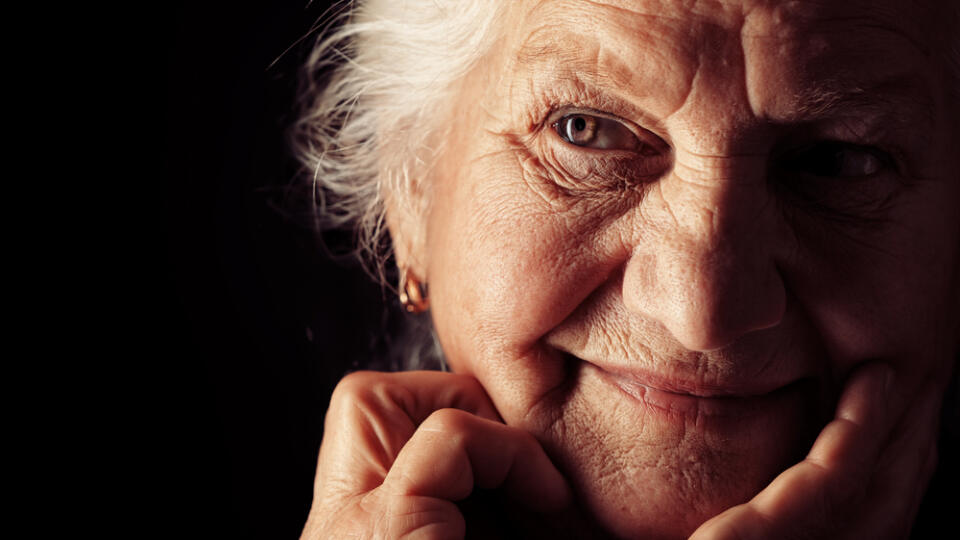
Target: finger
(372, 415)
(866, 415)
(840, 463)
(418, 393)
(414, 518)
(904, 470)
(454, 451)
(838, 467)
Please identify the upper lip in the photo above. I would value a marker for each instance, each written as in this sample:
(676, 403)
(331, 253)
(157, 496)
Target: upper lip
(678, 384)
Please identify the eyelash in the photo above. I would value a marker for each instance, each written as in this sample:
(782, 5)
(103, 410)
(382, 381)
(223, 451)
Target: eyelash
(601, 127)
(630, 166)
(586, 168)
(571, 96)
(560, 103)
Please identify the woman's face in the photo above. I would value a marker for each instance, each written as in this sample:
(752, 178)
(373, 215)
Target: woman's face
(662, 233)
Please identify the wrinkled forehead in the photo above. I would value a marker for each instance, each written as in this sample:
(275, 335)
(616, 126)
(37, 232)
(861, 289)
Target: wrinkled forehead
(913, 20)
(821, 48)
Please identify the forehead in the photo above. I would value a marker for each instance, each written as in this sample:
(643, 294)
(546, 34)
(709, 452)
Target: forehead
(879, 20)
(823, 52)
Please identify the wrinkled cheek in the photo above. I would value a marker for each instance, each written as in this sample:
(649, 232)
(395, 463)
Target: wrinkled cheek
(507, 265)
(491, 318)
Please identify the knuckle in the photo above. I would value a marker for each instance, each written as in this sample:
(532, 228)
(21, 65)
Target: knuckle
(452, 421)
(357, 382)
(470, 382)
(361, 386)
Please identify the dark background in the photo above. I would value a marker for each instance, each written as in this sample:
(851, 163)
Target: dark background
(258, 322)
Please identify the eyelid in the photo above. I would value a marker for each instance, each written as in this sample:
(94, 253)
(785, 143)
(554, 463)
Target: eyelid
(862, 134)
(792, 159)
(646, 137)
(560, 113)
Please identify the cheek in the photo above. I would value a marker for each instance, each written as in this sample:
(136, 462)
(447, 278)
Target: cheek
(507, 263)
(892, 296)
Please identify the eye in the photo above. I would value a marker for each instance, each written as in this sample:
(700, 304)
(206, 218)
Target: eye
(596, 132)
(836, 159)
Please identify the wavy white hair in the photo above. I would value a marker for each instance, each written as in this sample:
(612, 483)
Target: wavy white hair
(369, 125)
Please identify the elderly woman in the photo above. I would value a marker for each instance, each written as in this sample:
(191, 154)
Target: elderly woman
(694, 267)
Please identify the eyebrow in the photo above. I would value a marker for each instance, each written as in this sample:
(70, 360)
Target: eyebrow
(886, 98)
(533, 52)
(538, 52)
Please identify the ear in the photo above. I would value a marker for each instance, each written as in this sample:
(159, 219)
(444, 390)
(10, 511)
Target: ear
(406, 224)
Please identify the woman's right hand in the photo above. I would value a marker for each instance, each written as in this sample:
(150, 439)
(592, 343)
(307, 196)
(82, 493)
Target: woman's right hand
(400, 448)
(864, 477)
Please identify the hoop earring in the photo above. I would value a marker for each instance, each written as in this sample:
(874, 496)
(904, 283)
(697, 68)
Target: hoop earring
(413, 294)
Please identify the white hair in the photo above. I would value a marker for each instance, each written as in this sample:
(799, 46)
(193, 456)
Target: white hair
(369, 126)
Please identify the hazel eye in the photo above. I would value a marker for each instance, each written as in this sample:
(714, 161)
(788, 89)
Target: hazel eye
(596, 132)
(838, 160)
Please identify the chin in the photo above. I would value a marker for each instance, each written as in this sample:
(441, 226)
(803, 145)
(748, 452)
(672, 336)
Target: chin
(651, 462)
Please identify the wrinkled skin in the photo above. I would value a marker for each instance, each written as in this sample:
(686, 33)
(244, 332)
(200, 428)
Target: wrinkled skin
(766, 256)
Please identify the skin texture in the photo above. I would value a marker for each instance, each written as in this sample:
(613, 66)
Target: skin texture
(675, 322)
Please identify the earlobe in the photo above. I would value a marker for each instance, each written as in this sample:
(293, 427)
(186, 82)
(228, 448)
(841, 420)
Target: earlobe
(413, 292)
(406, 236)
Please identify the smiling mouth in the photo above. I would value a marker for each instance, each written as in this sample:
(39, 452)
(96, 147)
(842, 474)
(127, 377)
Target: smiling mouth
(683, 398)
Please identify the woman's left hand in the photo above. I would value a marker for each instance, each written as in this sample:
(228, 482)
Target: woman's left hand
(864, 477)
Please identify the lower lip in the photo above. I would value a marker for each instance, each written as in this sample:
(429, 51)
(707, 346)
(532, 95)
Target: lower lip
(689, 405)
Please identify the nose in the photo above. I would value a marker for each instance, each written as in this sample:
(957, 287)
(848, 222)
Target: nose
(704, 260)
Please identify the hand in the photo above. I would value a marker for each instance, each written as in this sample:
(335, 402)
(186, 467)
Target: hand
(864, 477)
(400, 448)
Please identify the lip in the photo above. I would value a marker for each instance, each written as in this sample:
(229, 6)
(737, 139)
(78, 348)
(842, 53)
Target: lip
(686, 398)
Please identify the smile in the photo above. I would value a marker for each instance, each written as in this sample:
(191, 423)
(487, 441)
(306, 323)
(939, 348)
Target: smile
(681, 398)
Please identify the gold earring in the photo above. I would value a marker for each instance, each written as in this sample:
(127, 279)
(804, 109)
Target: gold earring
(413, 294)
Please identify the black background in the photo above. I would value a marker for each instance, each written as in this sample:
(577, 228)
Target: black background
(258, 322)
